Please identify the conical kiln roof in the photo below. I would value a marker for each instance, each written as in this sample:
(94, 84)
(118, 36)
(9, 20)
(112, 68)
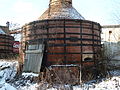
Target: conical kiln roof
(61, 9)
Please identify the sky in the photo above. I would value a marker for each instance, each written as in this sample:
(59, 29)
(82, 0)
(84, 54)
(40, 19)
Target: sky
(105, 12)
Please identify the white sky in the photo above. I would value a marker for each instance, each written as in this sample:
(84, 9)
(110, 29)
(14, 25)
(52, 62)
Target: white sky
(25, 11)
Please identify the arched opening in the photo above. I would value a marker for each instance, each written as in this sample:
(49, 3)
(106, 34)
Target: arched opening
(88, 59)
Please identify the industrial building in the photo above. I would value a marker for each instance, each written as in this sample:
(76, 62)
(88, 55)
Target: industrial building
(61, 37)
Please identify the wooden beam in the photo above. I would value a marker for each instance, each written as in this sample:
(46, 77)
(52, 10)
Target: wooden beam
(111, 26)
(16, 31)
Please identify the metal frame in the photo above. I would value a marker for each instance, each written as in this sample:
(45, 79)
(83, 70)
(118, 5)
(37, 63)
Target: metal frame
(93, 42)
(64, 33)
(73, 62)
(44, 27)
(65, 43)
(81, 40)
(76, 20)
(72, 53)
(52, 39)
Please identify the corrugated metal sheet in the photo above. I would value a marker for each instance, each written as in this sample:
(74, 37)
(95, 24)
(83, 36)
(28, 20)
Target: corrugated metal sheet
(33, 58)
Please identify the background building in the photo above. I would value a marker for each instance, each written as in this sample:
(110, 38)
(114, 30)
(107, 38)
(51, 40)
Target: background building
(111, 43)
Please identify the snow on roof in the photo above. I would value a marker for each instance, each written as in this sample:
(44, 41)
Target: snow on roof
(62, 13)
(1, 31)
(61, 10)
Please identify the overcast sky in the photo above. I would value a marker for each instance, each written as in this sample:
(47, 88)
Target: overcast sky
(24, 11)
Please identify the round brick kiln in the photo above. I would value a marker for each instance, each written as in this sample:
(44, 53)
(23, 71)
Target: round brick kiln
(68, 37)
(64, 41)
(6, 44)
(68, 41)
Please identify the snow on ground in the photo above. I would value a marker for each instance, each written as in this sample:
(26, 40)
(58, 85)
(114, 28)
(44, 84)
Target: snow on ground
(108, 84)
(29, 87)
(7, 86)
(30, 74)
(8, 71)
(112, 83)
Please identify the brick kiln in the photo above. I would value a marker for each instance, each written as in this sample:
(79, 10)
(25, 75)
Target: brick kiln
(68, 38)
(6, 42)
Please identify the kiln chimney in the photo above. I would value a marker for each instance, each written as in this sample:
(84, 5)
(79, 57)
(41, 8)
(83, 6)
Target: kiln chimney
(62, 3)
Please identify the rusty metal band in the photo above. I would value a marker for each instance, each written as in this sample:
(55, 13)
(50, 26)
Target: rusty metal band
(68, 61)
(44, 27)
(72, 53)
(67, 33)
(52, 39)
(75, 20)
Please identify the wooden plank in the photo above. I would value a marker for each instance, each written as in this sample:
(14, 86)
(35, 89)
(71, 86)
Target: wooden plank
(111, 26)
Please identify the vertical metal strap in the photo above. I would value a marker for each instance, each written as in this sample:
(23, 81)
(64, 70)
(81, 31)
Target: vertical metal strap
(81, 62)
(64, 43)
(92, 28)
(100, 32)
(25, 36)
(47, 43)
(34, 30)
(49, 8)
(47, 30)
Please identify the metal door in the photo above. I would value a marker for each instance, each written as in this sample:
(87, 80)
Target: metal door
(33, 58)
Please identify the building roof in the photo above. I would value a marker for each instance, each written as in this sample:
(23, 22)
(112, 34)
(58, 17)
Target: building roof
(1, 31)
(61, 9)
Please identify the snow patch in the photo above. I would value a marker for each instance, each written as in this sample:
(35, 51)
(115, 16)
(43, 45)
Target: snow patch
(7, 86)
(29, 87)
(30, 74)
(8, 70)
